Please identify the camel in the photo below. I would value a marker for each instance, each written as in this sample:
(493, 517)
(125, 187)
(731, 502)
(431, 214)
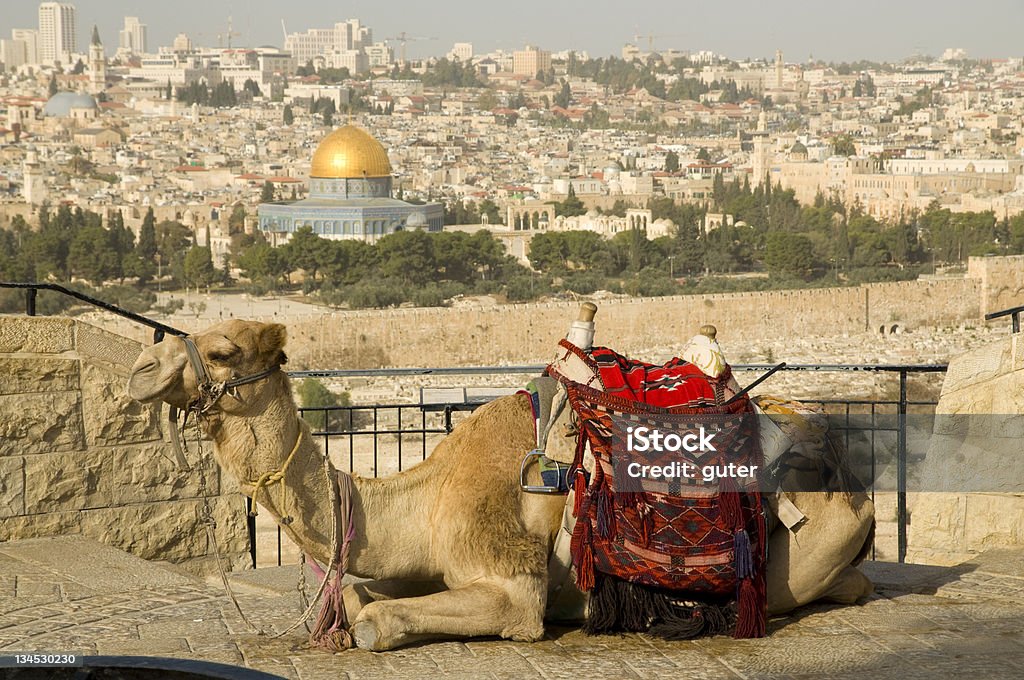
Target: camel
(453, 548)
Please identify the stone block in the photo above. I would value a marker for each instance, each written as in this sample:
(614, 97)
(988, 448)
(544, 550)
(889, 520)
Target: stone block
(984, 363)
(232, 530)
(12, 487)
(96, 343)
(169, 530)
(146, 472)
(63, 481)
(937, 521)
(38, 374)
(993, 521)
(46, 524)
(111, 416)
(42, 335)
(40, 423)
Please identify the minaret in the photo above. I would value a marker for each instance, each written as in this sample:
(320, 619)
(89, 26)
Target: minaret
(759, 161)
(34, 189)
(97, 64)
(778, 69)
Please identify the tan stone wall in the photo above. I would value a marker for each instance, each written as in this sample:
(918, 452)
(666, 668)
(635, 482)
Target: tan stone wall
(513, 333)
(1001, 280)
(976, 451)
(78, 456)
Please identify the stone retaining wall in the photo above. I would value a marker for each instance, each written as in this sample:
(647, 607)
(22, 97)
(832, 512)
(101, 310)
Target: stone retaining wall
(976, 445)
(78, 456)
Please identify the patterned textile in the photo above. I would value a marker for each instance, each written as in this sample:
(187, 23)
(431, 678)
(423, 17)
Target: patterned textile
(684, 539)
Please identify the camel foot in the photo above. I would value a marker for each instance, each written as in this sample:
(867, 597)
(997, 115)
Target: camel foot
(367, 636)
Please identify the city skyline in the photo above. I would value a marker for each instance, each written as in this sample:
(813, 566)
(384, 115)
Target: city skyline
(800, 28)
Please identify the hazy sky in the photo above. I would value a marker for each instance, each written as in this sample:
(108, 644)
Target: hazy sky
(848, 30)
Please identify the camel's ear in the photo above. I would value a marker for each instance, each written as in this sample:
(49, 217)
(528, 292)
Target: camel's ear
(272, 339)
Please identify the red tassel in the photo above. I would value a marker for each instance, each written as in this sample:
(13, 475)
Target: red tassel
(643, 511)
(729, 504)
(752, 617)
(579, 490)
(605, 512)
(582, 549)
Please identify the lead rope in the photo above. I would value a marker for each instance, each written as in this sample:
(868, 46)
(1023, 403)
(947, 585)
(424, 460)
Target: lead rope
(211, 524)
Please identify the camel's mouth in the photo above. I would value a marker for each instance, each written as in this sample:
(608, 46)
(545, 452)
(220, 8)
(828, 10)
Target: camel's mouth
(151, 380)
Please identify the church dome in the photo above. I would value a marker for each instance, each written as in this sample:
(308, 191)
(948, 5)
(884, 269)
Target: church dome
(350, 152)
(60, 104)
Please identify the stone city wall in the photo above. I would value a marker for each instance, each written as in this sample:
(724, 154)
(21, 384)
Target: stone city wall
(518, 333)
(78, 456)
(479, 335)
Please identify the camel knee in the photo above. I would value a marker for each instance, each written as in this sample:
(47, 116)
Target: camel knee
(851, 585)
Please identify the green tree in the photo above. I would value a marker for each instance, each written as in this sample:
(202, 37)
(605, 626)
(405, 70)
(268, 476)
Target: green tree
(306, 251)
(198, 267)
(842, 145)
(407, 256)
(266, 195)
(789, 254)
(313, 394)
(564, 96)
(289, 115)
(147, 246)
(671, 162)
(571, 206)
(51, 88)
(236, 221)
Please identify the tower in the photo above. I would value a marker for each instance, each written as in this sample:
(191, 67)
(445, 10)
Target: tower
(759, 159)
(34, 190)
(97, 64)
(778, 69)
(56, 32)
(133, 36)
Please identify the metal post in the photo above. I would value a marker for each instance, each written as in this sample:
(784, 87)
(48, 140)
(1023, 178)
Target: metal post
(250, 522)
(30, 301)
(448, 419)
(901, 470)
(1015, 322)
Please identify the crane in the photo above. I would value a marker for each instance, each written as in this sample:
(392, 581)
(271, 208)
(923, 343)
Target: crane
(229, 35)
(403, 38)
(650, 38)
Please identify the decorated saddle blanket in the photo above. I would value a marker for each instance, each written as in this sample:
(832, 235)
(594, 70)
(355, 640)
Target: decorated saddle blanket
(670, 533)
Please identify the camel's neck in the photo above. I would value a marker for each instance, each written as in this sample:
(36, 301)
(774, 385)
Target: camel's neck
(249, 446)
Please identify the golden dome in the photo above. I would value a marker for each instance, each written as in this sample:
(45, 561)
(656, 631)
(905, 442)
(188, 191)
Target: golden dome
(349, 152)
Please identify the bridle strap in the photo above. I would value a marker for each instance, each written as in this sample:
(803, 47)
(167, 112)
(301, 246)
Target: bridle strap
(210, 392)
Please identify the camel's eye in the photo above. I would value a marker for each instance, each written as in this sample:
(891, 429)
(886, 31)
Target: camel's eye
(222, 355)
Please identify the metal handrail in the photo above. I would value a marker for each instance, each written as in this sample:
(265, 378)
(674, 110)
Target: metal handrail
(1014, 314)
(32, 288)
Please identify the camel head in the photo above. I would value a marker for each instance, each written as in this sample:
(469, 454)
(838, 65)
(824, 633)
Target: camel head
(229, 350)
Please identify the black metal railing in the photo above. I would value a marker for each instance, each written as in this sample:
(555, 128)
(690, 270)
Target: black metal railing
(390, 431)
(32, 291)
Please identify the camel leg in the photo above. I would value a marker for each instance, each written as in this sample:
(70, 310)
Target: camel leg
(510, 608)
(850, 586)
(358, 595)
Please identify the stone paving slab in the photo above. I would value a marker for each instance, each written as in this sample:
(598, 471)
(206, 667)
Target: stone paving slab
(73, 595)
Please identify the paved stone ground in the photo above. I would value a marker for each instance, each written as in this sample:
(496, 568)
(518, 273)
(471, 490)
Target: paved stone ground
(71, 594)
